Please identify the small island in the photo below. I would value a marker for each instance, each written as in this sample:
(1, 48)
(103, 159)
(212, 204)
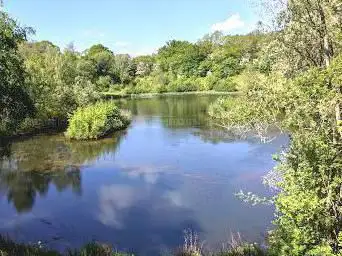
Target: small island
(96, 121)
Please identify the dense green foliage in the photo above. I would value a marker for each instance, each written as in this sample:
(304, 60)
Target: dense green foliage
(56, 86)
(96, 121)
(15, 103)
(290, 78)
(210, 64)
(300, 92)
(41, 82)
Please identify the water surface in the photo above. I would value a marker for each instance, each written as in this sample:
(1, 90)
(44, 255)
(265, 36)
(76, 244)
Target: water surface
(171, 170)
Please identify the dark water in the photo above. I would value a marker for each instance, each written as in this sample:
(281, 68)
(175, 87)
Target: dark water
(139, 190)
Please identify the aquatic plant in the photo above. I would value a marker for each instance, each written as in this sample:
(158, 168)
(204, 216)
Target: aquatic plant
(235, 247)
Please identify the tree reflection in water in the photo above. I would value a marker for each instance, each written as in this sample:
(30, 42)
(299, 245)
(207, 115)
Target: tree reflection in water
(181, 113)
(23, 187)
(28, 168)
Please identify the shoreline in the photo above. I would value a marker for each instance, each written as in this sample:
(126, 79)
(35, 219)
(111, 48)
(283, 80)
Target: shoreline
(35, 131)
(115, 95)
(60, 125)
(240, 248)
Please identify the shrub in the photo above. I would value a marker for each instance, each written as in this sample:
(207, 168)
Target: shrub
(84, 93)
(151, 84)
(103, 83)
(225, 85)
(144, 85)
(206, 83)
(116, 87)
(183, 84)
(96, 121)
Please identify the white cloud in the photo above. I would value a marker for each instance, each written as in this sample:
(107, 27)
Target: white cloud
(149, 173)
(232, 23)
(113, 200)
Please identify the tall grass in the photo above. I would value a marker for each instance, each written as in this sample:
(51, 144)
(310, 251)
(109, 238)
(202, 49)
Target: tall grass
(10, 248)
(192, 247)
(236, 247)
(96, 121)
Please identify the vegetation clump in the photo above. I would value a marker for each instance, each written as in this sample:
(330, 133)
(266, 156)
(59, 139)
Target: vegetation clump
(15, 101)
(296, 86)
(96, 121)
(10, 248)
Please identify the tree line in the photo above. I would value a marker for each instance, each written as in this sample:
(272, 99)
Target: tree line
(41, 82)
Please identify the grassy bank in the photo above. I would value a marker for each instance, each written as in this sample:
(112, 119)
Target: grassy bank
(11, 248)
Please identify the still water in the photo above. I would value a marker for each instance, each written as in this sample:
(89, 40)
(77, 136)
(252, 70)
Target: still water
(171, 170)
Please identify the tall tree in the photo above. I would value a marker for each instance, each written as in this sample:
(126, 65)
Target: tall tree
(302, 96)
(180, 57)
(15, 102)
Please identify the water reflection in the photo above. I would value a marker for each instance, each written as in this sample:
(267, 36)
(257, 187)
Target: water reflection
(5, 149)
(56, 153)
(174, 112)
(148, 228)
(30, 166)
(181, 113)
(188, 112)
(23, 187)
(171, 170)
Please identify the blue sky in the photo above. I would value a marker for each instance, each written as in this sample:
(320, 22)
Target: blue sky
(130, 26)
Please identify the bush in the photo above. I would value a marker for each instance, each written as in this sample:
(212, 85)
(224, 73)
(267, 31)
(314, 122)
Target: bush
(183, 84)
(143, 85)
(206, 83)
(157, 83)
(116, 87)
(84, 92)
(103, 83)
(225, 85)
(96, 121)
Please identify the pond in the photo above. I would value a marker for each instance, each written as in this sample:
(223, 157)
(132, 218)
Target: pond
(171, 170)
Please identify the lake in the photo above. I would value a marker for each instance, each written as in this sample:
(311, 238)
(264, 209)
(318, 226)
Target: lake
(173, 169)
